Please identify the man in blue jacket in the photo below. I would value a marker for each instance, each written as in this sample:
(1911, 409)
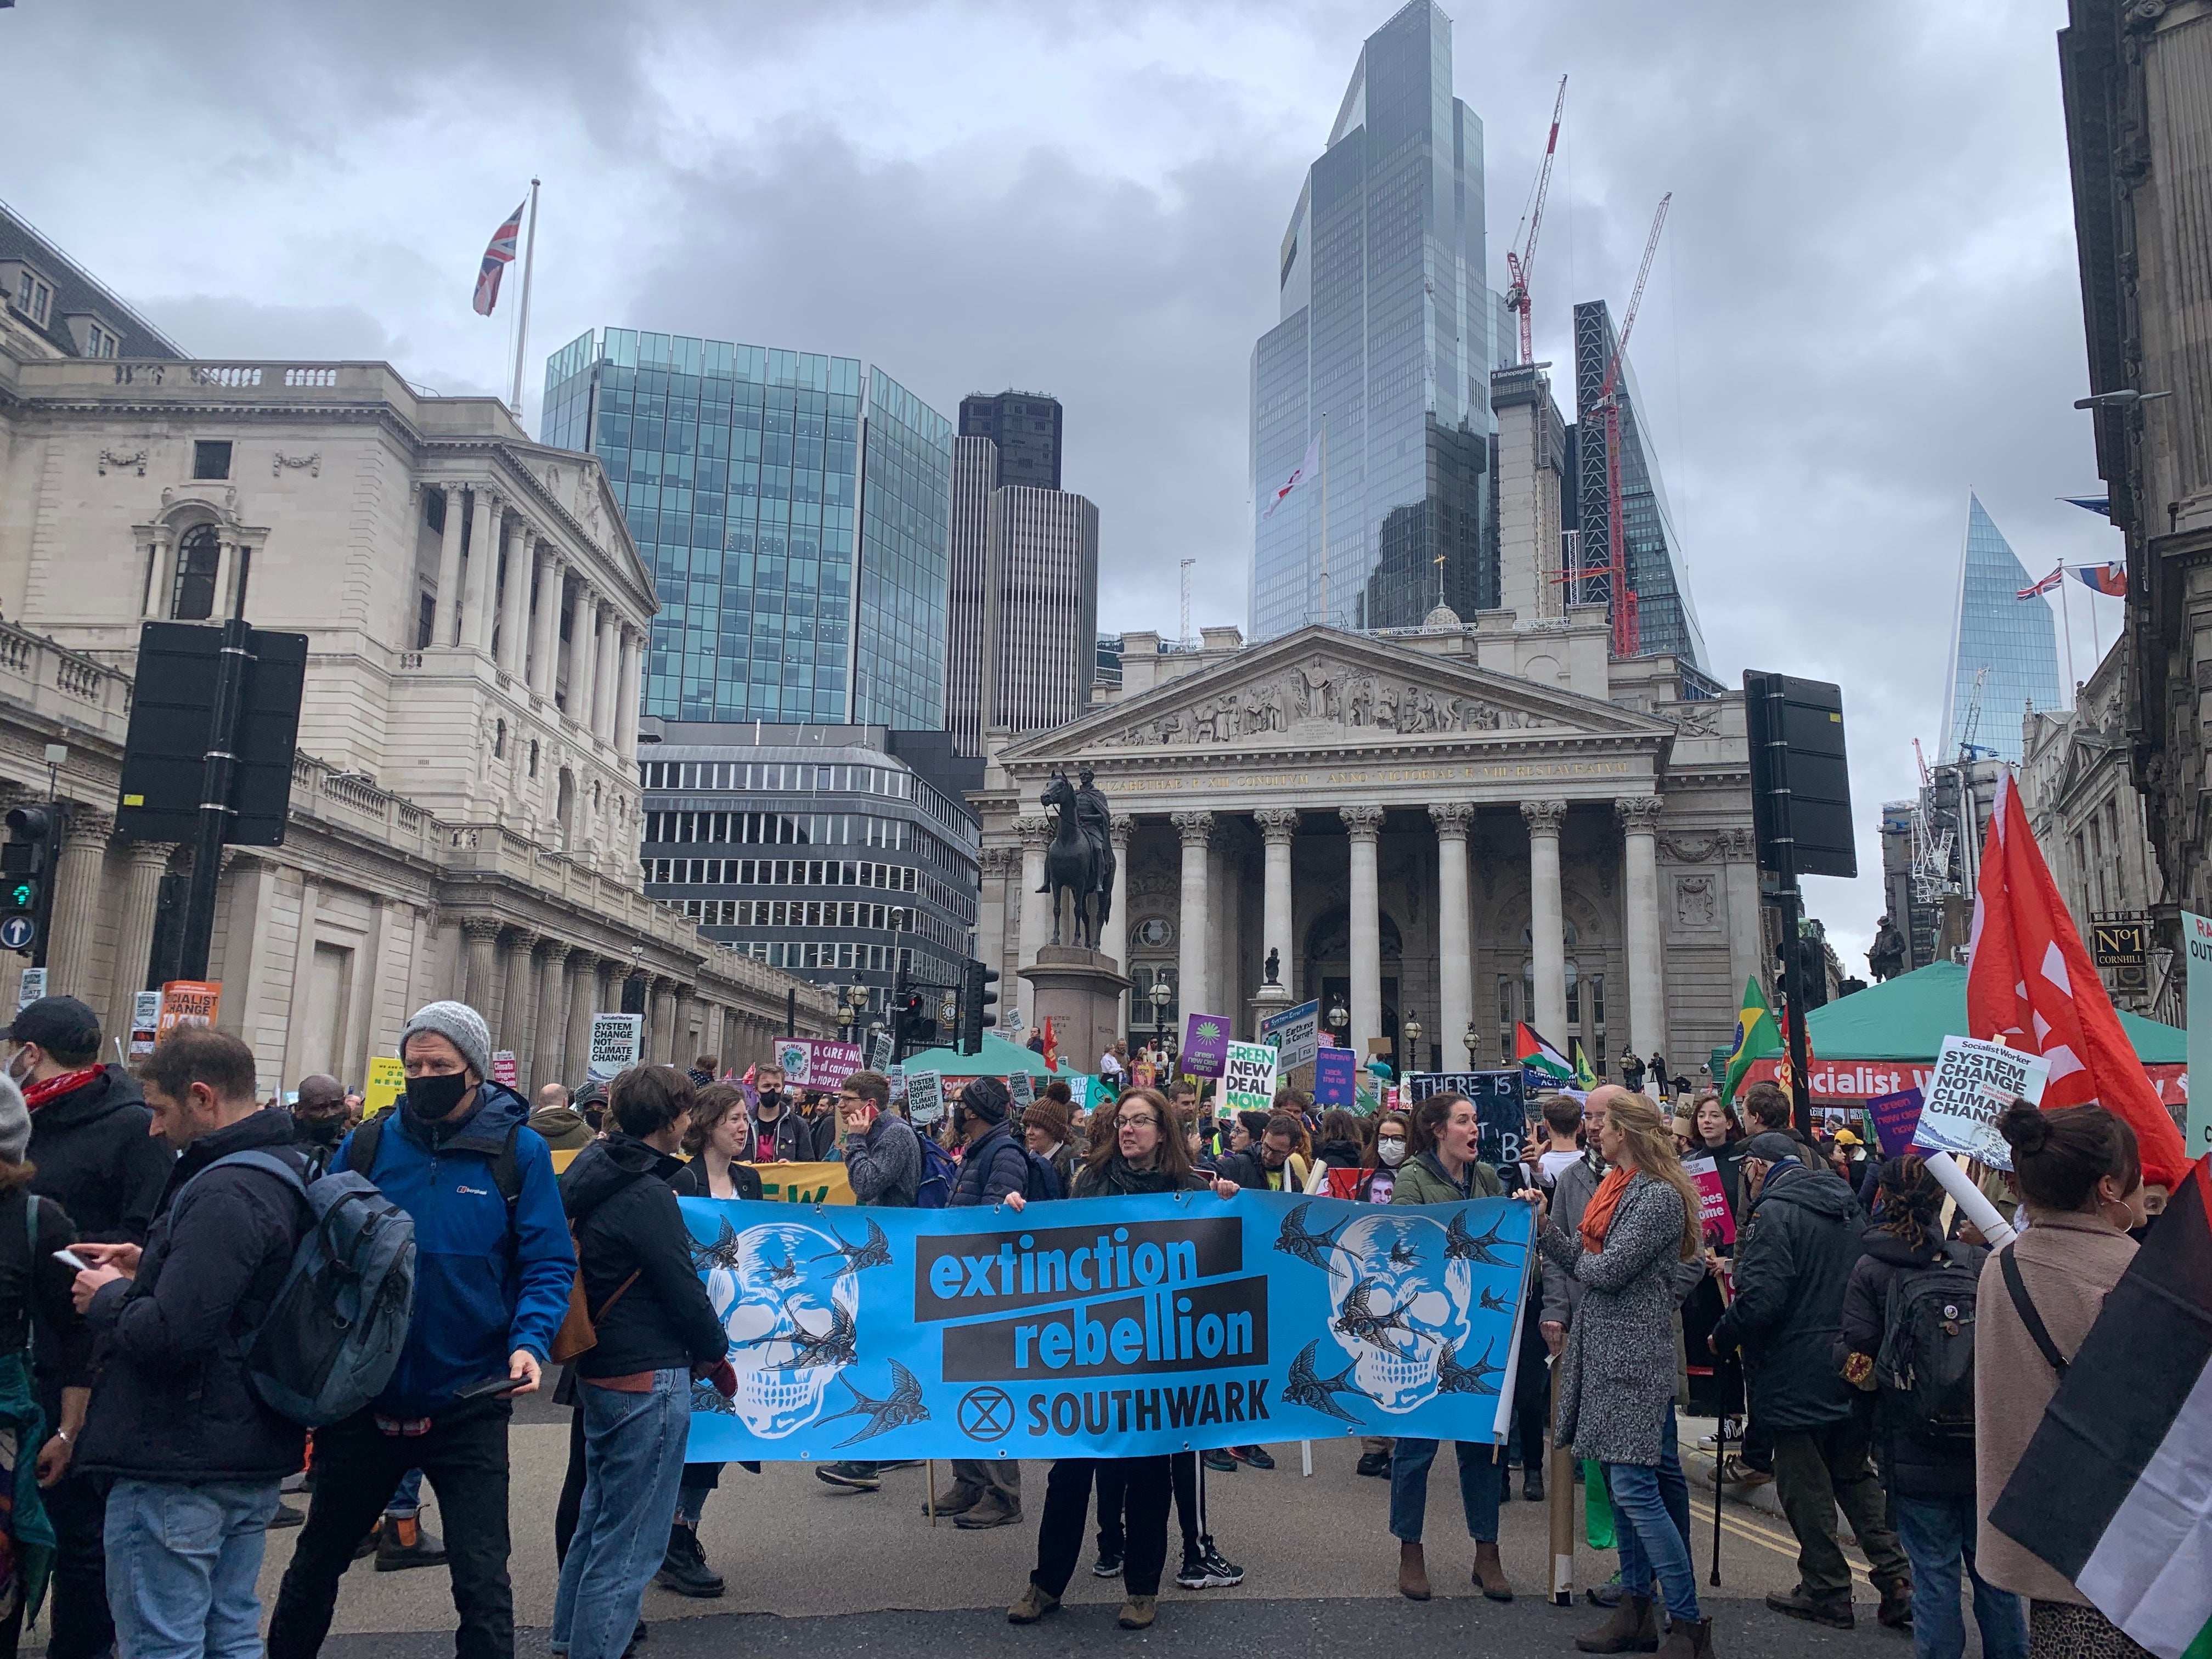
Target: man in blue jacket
(493, 1269)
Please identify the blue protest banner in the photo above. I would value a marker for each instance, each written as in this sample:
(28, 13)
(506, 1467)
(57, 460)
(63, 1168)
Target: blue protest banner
(1896, 1117)
(1105, 1327)
(1335, 1077)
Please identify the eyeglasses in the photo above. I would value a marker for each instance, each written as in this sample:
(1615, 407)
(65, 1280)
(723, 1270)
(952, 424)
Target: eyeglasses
(1147, 1121)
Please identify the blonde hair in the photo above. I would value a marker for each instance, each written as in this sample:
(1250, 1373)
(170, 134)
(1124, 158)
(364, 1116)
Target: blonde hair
(1650, 1137)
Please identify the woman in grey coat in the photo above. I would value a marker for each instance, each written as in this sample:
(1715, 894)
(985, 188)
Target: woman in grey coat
(1616, 1374)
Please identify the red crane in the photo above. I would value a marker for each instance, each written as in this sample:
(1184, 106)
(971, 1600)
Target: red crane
(1519, 264)
(1627, 635)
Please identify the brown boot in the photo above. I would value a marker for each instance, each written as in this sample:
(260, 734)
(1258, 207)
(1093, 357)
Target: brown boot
(1412, 1572)
(1490, 1571)
(1632, 1629)
(1687, 1641)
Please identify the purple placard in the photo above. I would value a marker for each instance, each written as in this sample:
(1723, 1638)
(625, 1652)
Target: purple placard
(1895, 1118)
(1334, 1076)
(1205, 1039)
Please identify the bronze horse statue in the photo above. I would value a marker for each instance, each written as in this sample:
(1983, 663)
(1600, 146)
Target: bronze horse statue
(1080, 862)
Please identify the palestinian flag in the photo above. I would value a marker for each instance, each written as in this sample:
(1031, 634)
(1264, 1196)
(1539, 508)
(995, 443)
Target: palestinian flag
(1535, 1055)
(1585, 1079)
(1756, 1034)
(2115, 1490)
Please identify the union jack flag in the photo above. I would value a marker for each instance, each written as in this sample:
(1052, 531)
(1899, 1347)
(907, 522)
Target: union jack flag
(2049, 582)
(497, 258)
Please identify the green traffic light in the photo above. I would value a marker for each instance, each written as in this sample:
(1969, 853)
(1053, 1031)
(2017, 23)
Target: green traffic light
(23, 895)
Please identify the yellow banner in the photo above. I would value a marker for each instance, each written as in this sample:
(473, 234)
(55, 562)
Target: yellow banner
(792, 1183)
(387, 1081)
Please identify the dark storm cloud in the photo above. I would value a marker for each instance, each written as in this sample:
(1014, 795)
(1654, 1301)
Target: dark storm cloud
(1865, 302)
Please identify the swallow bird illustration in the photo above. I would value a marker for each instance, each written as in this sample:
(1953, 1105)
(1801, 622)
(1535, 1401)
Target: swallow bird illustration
(838, 1345)
(874, 1252)
(1494, 1302)
(902, 1407)
(1305, 1387)
(1401, 1256)
(1460, 1245)
(722, 1252)
(1295, 1241)
(1362, 1324)
(1452, 1378)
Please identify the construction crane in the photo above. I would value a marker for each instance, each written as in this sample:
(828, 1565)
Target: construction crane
(1968, 749)
(1931, 847)
(1518, 264)
(1625, 633)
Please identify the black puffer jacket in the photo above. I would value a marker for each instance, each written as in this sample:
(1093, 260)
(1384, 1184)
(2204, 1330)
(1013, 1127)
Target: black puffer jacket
(993, 1165)
(1911, 1466)
(626, 1221)
(95, 1159)
(171, 1402)
(1793, 1260)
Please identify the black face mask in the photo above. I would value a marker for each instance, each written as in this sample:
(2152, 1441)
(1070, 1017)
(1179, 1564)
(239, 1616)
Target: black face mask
(428, 1099)
(325, 1130)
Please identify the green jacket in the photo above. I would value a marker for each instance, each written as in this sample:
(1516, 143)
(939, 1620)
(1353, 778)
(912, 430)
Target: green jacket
(1424, 1182)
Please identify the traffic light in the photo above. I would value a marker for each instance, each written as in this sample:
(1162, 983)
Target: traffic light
(976, 1000)
(27, 863)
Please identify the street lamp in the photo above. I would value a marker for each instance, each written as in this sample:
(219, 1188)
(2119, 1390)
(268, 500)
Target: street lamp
(1471, 1038)
(1340, 1023)
(1412, 1032)
(854, 999)
(1162, 994)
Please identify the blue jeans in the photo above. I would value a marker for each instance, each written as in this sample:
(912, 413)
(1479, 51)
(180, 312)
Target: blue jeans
(182, 1563)
(407, 1498)
(1651, 1518)
(633, 1464)
(1938, 1536)
(1409, 1488)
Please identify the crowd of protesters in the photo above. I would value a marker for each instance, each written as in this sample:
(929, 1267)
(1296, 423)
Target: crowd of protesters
(149, 1220)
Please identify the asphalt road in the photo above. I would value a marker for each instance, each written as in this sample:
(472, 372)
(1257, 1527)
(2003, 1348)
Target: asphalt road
(816, 1571)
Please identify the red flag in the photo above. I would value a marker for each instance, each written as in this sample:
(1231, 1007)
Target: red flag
(497, 257)
(1051, 1045)
(2029, 981)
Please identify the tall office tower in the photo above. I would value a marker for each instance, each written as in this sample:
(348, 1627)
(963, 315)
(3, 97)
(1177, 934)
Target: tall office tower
(1532, 471)
(2009, 645)
(1387, 337)
(1666, 618)
(795, 510)
(1024, 631)
(1026, 426)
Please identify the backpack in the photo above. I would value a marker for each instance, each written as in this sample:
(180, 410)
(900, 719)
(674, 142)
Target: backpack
(1041, 1184)
(1926, 1364)
(332, 1336)
(938, 1172)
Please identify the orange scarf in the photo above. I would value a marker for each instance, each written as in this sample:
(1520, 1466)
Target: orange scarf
(1598, 1216)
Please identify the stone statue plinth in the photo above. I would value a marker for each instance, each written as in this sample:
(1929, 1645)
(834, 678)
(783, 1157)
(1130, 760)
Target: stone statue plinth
(1079, 991)
(1271, 1000)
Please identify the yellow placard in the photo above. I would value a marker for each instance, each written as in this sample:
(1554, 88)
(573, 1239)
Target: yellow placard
(788, 1183)
(387, 1081)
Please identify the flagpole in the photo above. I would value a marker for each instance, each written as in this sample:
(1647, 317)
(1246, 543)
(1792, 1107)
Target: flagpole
(1324, 520)
(2065, 617)
(522, 329)
(2096, 640)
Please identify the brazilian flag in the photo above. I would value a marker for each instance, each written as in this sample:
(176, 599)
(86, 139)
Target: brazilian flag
(1756, 1034)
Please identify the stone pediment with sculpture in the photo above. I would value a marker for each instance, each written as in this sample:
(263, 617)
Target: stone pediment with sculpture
(1324, 697)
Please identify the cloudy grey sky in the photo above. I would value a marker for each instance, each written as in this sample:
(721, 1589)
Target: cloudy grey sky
(1865, 305)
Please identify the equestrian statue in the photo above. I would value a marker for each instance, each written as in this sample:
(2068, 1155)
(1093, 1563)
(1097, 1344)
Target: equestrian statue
(1080, 862)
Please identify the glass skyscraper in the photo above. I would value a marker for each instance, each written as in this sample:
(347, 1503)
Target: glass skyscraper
(2013, 640)
(795, 511)
(1388, 334)
(1667, 619)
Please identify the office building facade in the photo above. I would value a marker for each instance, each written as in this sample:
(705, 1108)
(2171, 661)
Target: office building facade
(1023, 629)
(1026, 427)
(795, 511)
(842, 854)
(1387, 335)
(1667, 619)
(2005, 645)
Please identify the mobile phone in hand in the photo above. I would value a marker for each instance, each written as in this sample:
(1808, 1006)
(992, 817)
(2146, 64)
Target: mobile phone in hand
(73, 1260)
(492, 1387)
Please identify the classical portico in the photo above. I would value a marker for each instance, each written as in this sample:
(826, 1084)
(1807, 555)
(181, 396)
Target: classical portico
(1468, 826)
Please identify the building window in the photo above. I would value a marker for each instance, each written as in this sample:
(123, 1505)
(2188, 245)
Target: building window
(191, 595)
(533, 758)
(98, 342)
(211, 458)
(33, 297)
(499, 740)
(426, 621)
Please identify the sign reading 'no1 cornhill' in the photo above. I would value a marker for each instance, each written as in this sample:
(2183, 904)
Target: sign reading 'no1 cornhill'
(1112, 1328)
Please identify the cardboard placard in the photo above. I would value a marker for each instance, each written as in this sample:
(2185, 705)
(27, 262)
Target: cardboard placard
(32, 988)
(925, 1097)
(503, 1068)
(816, 1063)
(145, 1021)
(189, 1002)
(616, 1041)
(1500, 1103)
(1714, 1215)
(1334, 1078)
(1295, 1033)
(1248, 1077)
(1022, 1088)
(387, 1081)
(1973, 1082)
(1205, 1045)
(1896, 1118)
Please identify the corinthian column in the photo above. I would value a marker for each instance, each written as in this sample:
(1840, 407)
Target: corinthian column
(1194, 930)
(1116, 942)
(134, 942)
(1363, 826)
(1036, 832)
(544, 1064)
(1647, 991)
(1547, 922)
(482, 933)
(583, 989)
(1455, 944)
(76, 904)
